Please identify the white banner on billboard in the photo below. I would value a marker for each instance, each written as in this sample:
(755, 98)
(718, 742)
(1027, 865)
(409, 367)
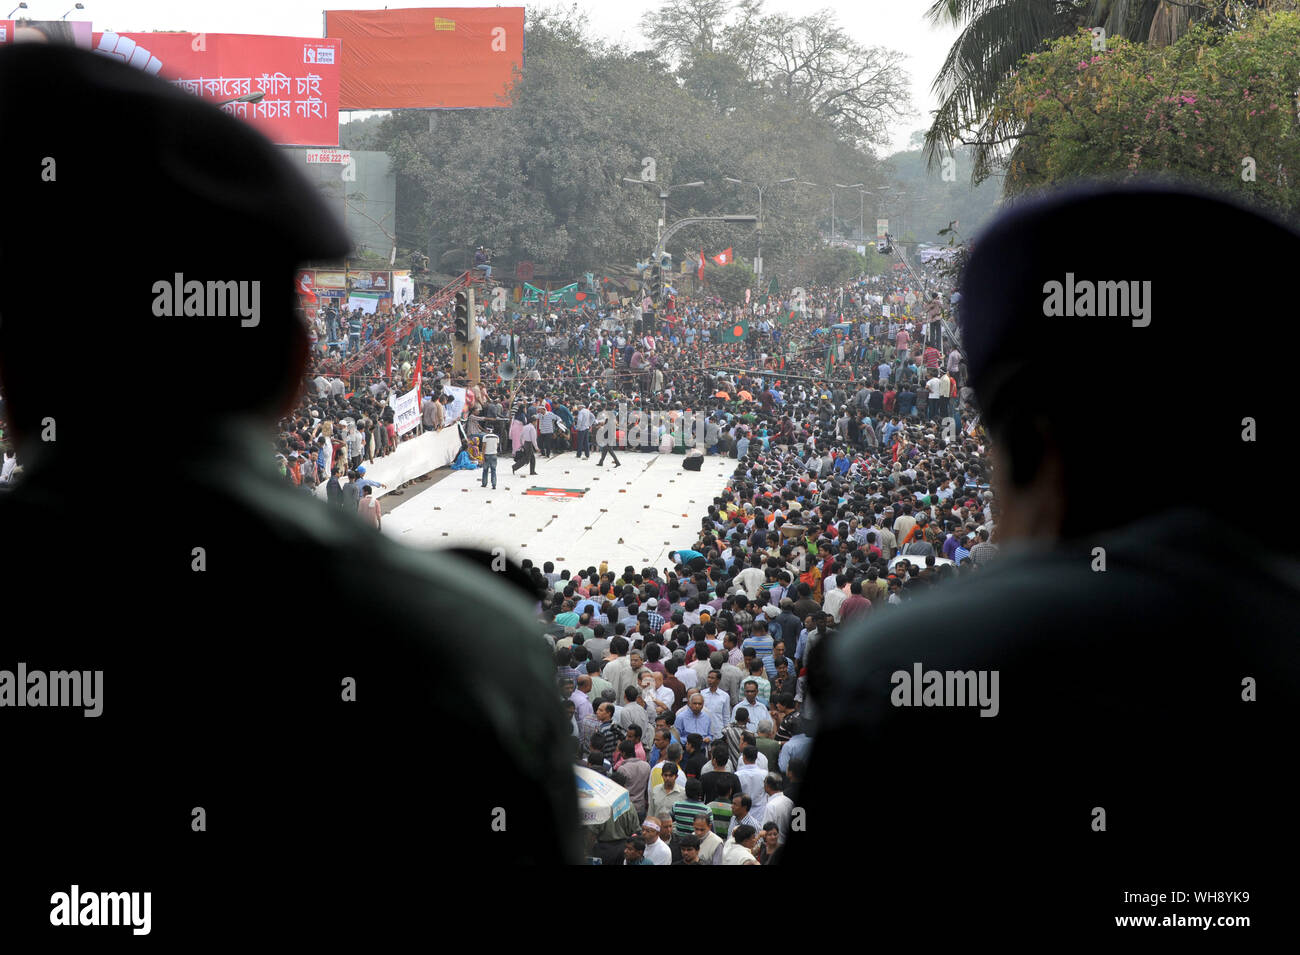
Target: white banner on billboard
(403, 288)
(406, 411)
(369, 304)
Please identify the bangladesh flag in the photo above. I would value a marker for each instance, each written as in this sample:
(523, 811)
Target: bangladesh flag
(734, 332)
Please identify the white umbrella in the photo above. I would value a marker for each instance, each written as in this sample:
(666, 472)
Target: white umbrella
(599, 798)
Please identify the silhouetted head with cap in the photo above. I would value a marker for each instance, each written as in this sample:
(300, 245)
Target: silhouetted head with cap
(122, 183)
(1087, 324)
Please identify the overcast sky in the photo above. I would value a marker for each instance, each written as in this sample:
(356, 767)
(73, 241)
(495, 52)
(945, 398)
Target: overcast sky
(898, 24)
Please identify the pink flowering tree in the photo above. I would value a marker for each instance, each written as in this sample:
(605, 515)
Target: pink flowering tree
(1220, 109)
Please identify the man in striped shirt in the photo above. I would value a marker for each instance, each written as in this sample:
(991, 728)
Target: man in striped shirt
(685, 810)
(546, 429)
(611, 734)
(762, 643)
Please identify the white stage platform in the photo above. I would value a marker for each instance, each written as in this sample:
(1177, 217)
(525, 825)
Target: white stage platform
(634, 514)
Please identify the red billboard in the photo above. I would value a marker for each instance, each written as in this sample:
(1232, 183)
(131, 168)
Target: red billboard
(298, 77)
(443, 58)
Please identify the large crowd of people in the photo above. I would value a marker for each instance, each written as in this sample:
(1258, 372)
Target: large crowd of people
(861, 482)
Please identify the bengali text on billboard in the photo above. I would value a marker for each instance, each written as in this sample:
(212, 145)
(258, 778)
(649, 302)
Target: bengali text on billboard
(298, 77)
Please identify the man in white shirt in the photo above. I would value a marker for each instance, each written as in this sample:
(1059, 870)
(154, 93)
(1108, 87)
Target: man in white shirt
(737, 852)
(716, 700)
(688, 677)
(835, 597)
(752, 578)
(938, 398)
(656, 850)
(779, 806)
(751, 778)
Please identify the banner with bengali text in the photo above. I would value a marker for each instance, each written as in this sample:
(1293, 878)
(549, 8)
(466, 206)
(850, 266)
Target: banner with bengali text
(406, 410)
(298, 77)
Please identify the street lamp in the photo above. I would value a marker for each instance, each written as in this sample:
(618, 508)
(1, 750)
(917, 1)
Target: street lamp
(77, 7)
(663, 197)
(839, 185)
(862, 207)
(758, 263)
(21, 6)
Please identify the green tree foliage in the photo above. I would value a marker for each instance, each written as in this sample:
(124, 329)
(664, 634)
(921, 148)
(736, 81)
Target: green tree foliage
(542, 180)
(831, 266)
(996, 35)
(728, 282)
(1216, 108)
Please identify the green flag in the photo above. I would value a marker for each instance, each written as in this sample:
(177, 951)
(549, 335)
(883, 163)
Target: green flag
(830, 358)
(734, 332)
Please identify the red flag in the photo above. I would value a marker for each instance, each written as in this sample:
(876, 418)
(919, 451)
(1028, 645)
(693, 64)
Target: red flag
(723, 258)
(419, 363)
(700, 272)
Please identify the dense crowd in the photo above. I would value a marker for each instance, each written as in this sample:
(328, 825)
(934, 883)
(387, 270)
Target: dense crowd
(861, 483)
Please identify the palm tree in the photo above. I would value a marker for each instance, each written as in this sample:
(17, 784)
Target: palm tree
(996, 34)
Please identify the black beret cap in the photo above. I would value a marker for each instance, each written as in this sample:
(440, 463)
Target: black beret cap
(1148, 386)
(1149, 233)
(119, 180)
(140, 159)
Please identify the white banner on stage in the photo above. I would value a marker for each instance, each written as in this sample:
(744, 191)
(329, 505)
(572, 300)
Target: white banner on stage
(406, 411)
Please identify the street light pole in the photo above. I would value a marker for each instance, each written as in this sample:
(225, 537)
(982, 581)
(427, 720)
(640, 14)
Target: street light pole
(839, 185)
(758, 270)
(663, 198)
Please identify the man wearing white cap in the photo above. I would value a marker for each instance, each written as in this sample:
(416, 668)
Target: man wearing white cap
(654, 618)
(656, 850)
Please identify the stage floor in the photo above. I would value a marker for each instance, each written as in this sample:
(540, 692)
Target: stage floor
(634, 514)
